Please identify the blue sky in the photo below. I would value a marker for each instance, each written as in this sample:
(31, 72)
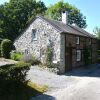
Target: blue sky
(89, 8)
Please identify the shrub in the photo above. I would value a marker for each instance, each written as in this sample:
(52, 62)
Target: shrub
(0, 50)
(34, 61)
(6, 47)
(51, 65)
(98, 52)
(98, 55)
(16, 72)
(12, 78)
(16, 56)
(48, 56)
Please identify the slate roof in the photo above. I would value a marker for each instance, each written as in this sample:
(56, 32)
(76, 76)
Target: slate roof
(67, 28)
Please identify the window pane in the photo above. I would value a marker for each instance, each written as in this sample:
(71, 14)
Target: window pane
(78, 55)
(34, 35)
(77, 40)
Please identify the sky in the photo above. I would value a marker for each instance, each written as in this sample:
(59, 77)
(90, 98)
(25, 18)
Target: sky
(89, 8)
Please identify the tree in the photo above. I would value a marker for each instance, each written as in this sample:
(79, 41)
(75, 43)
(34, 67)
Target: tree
(6, 47)
(96, 31)
(75, 16)
(15, 15)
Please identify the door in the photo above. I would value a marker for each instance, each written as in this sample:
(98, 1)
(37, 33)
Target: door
(68, 58)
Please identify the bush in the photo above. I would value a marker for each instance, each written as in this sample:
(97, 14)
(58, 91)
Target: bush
(12, 80)
(16, 72)
(51, 65)
(48, 56)
(99, 52)
(6, 47)
(34, 62)
(16, 56)
(98, 56)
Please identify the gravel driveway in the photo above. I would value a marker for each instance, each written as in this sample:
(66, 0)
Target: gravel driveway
(53, 81)
(80, 84)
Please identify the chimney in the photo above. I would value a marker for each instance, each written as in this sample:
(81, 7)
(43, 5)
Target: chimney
(65, 17)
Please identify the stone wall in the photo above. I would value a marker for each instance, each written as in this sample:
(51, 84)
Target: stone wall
(84, 41)
(45, 35)
(62, 53)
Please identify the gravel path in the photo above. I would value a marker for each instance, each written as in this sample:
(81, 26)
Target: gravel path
(81, 84)
(53, 81)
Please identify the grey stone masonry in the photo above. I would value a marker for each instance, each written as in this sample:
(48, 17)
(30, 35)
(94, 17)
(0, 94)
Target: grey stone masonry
(37, 37)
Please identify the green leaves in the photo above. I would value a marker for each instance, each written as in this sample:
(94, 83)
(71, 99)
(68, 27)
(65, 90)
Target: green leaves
(6, 47)
(97, 32)
(15, 15)
(75, 16)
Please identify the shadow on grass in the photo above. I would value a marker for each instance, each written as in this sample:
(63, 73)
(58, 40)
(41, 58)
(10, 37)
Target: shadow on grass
(16, 91)
(44, 97)
(89, 71)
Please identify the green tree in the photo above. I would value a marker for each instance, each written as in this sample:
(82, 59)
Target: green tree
(96, 31)
(15, 15)
(75, 16)
(6, 47)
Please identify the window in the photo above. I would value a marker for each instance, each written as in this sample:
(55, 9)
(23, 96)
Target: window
(34, 35)
(26, 51)
(77, 40)
(42, 52)
(78, 55)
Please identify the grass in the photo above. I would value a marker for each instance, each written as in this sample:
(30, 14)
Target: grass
(20, 91)
(39, 88)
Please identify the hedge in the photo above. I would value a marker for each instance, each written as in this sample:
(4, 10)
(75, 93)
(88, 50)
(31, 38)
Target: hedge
(16, 72)
(6, 47)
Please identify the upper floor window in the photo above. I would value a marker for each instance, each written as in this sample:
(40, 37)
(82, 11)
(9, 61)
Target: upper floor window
(34, 35)
(77, 40)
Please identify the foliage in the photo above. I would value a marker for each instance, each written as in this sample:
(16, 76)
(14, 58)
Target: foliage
(15, 15)
(14, 85)
(75, 16)
(6, 47)
(16, 56)
(34, 61)
(16, 72)
(51, 65)
(98, 55)
(98, 52)
(96, 31)
(48, 56)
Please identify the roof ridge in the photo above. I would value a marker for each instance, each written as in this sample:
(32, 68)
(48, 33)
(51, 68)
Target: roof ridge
(82, 31)
(62, 27)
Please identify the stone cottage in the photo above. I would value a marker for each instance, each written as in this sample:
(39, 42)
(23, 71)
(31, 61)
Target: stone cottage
(68, 42)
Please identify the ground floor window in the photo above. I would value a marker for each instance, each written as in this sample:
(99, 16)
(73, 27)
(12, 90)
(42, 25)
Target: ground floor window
(78, 55)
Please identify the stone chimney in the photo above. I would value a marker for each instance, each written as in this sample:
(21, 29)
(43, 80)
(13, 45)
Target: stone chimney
(65, 17)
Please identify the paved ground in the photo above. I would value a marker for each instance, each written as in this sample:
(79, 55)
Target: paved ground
(6, 61)
(80, 84)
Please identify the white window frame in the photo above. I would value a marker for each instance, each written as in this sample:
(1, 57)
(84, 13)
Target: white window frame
(77, 40)
(78, 55)
(34, 34)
